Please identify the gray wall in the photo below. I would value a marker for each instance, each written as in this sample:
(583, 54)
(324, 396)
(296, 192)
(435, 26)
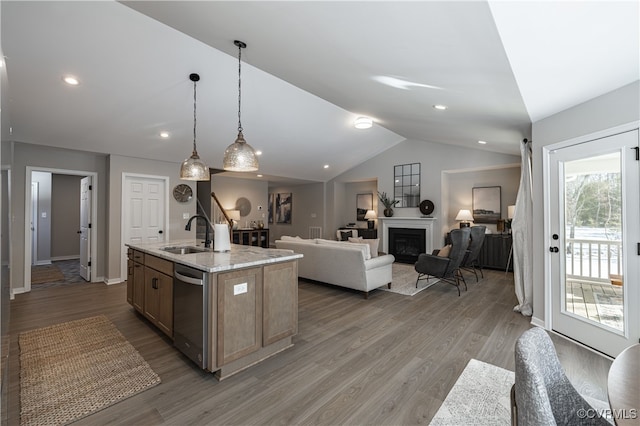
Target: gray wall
(65, 216)
(615, 108)
(434, 159)
(307, 210)
(230, 190)
(118, 165)
(47, 157)
(43, 218)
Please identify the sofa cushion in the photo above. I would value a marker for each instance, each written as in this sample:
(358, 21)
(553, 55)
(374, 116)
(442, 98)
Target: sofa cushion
(296, 238)
(366, 251)
(373, 244)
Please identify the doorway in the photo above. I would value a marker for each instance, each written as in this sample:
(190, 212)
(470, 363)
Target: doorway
(91, 201)
(592, 238)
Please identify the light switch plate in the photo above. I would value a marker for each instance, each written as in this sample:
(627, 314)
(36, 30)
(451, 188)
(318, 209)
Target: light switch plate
(185, 215)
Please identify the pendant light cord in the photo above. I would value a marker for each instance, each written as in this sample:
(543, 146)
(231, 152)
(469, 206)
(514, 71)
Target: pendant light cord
(239, 85)
(194, 117)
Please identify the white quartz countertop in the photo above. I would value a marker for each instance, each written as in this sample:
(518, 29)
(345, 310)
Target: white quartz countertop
(238, 257)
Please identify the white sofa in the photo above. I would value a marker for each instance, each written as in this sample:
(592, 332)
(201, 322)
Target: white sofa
(343, 264)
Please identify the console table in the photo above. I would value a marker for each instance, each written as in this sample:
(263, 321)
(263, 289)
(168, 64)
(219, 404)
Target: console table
(251, 237)
(495, 251)
(365, 233)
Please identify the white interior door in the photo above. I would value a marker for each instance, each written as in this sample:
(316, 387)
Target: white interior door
(594, 242)
(85, 226)
(144, 216)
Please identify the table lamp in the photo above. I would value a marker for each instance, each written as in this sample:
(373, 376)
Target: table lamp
(465, 217)
(234, 215)
(370, 215)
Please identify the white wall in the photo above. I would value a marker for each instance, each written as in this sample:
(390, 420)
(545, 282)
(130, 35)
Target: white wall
(231, 190)
(43, 218)
(434, 158)
(307, 210)
(613, 109)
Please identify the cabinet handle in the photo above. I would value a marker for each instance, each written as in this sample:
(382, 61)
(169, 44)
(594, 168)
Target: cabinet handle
(154, 283)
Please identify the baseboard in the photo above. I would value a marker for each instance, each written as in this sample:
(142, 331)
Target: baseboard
(42, 262)
(18, 290)
(537, 322)
(72, 257)
(113, 281)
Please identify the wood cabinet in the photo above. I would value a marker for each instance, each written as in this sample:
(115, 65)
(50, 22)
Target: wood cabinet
(158, 299)
(239, 314)
(150, 288)
(280, 302)
(135, 279)
(495, 251)
(251, 237)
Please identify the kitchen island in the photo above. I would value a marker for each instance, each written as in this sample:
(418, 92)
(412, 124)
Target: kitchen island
(224, 310)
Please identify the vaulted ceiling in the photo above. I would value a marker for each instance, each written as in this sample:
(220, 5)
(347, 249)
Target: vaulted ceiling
(310, 68)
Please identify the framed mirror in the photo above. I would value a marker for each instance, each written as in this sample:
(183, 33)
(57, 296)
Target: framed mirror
(406, 186)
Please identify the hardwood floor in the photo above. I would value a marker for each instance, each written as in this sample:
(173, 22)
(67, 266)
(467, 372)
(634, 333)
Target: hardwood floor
(389, 360)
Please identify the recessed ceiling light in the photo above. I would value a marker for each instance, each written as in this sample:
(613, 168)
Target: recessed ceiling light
(258, 152)
(164, 135)
(326, 166)
(363, 123)
(482, 142)
(70, 80)
(259, 175)
(440, 107)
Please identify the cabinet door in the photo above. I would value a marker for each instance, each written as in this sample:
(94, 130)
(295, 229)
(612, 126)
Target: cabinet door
(280, 315)
(158, 300)
(130, 282)
(239, 314)
(138, 286)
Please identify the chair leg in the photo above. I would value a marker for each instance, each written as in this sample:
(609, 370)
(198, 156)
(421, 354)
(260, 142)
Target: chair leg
(459, 275)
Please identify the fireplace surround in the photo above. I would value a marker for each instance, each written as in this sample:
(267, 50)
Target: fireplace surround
(425, 223)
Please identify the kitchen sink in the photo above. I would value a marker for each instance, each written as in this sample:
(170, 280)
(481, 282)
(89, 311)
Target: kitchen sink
(184, 249)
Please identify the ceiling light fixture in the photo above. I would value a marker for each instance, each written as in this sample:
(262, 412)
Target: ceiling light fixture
(363, 123)
(240, 156)
(70, 80)
(193, 168)
(482, 142)
(440, 107)
(164, 135)
(326, 166)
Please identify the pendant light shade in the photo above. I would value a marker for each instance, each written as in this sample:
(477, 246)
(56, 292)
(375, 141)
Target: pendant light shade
(240, 156)
(193, 168)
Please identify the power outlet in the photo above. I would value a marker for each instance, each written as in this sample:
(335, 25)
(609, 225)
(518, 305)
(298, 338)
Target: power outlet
(239, 289)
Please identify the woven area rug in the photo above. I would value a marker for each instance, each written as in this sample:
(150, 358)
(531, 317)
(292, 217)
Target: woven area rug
(480, 396)
(46, 274)
(404, 280)
(71, 370)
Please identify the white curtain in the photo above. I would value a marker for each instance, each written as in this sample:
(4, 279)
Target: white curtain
(522, 231)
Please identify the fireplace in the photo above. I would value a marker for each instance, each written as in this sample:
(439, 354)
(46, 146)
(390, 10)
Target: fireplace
(422, 224)
(406, 244)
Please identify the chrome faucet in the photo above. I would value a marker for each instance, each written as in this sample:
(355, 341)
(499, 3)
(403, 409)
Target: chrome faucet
(207, 239)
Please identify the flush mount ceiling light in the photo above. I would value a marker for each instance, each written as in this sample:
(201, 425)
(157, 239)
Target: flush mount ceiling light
(482, 142)
(164, 135)
(71, 80)
(363, 123)
(240, 156)
(440, 107)
(193, 168)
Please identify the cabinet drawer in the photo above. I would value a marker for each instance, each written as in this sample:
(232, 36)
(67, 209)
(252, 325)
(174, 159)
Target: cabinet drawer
(135, 255)
(164, 266)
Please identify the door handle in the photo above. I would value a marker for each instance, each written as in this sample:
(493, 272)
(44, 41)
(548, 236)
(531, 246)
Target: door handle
(554, 249)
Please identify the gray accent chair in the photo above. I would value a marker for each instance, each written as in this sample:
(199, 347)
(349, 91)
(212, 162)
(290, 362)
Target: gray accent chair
(470, 261)
(542, 393)
(445, 268)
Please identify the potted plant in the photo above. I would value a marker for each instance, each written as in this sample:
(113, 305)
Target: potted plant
(387, 203)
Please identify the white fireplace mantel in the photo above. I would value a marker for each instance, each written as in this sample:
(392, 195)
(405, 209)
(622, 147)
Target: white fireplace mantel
(425, 223)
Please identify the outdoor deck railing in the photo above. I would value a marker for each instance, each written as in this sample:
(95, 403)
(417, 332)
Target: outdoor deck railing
(593, 260)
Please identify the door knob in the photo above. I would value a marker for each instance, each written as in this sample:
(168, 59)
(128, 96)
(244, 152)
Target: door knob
(555, 236)
(160, 231)
(554, 249)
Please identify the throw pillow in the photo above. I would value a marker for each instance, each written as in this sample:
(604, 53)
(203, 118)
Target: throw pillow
(345, 235)
(373, 244)
(444, 251)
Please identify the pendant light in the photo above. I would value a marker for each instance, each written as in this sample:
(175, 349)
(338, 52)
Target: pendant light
(240, 156)
(193, 168)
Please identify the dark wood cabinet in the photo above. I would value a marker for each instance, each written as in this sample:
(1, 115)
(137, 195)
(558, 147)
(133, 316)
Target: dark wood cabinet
(251, 237)
(495, 251)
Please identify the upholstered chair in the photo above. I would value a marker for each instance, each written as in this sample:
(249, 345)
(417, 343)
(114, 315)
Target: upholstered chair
(542, 393)
(470, 261)
(446, 268)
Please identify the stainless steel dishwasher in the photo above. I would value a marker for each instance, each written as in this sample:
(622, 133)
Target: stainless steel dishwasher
(190, 314)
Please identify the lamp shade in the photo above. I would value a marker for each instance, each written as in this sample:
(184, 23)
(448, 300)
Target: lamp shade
(233, 214)
(370, 215)
(510, 211)
(464, 215)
